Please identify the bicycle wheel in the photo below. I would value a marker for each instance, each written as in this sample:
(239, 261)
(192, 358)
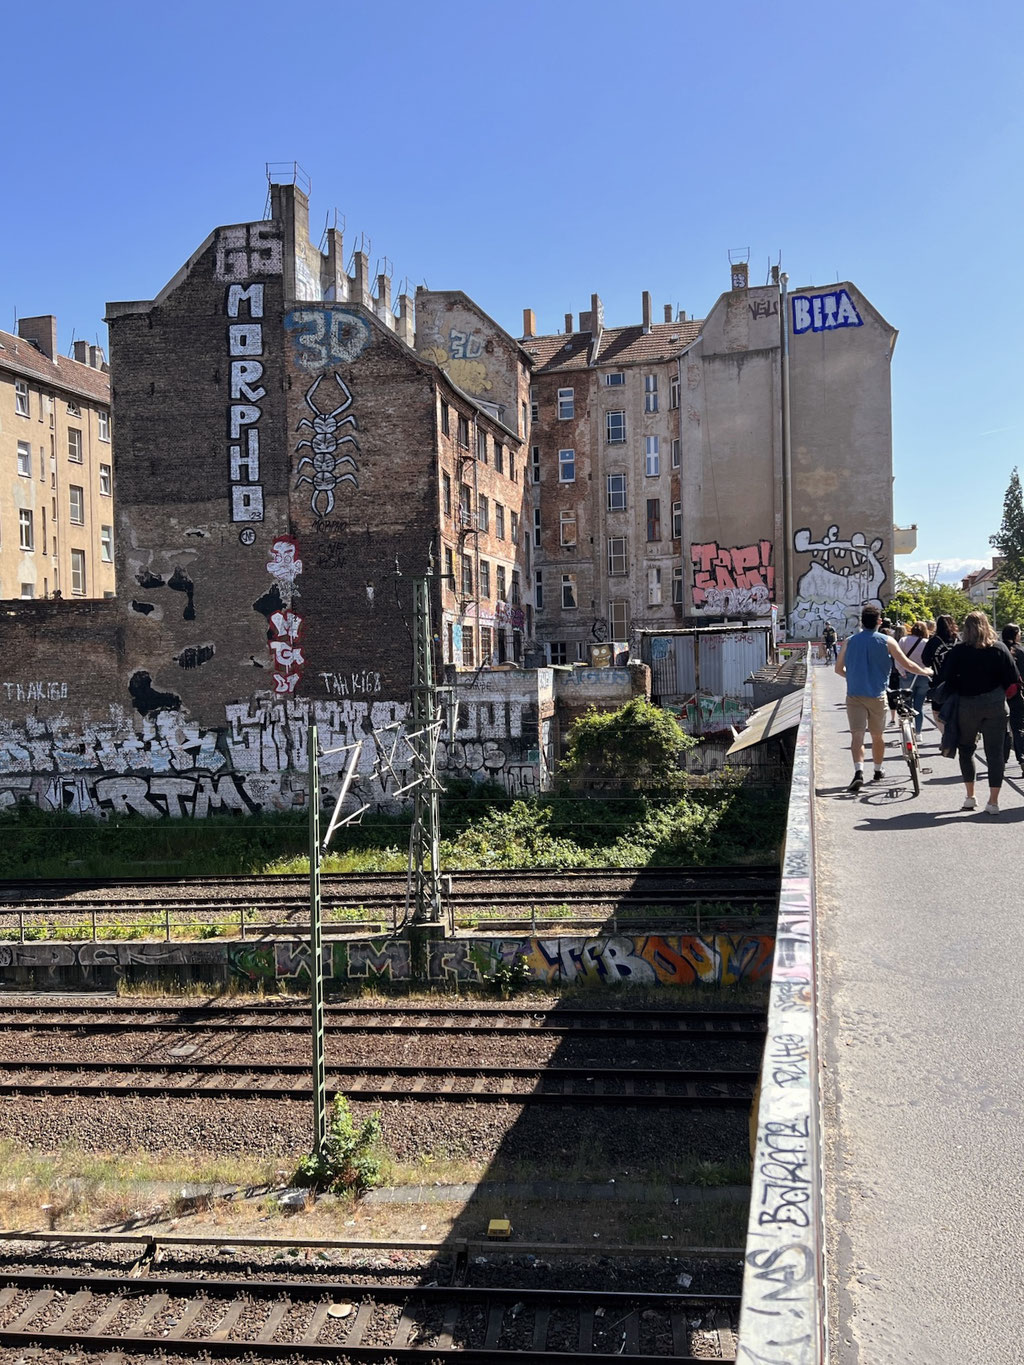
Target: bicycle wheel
(910, 752)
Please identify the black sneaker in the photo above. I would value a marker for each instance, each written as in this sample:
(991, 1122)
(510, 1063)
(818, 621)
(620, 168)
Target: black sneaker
(857, 783)
(878, 775)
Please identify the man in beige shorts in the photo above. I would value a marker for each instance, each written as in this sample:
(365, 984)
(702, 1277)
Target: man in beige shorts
(864, 661)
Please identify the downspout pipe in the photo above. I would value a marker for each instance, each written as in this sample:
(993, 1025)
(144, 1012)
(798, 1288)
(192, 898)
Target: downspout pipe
(787, 452)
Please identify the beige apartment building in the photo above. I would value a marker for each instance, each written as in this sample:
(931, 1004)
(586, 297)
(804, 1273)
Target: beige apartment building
(56, 467)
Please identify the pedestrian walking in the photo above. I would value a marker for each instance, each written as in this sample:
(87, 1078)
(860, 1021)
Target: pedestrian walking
(865, 660)
(933, 654)
(979, 670)
(1011, 639)
(913, 646)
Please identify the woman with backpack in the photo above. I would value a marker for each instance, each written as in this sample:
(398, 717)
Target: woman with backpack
(934, 654)
(980, 672)
(913, 646)
(1011, 639)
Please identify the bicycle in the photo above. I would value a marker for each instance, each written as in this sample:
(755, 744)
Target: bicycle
(907, 718)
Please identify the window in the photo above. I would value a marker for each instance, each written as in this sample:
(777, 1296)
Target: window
(653, 587)
(515, 596)
(535, 462)
(21, 397)
(499, 521)
(499, 573)
(677, 521)
(523, 425)
(534, 405)
(48, 409)
(28, 590)
(75, 444)
(483, 513)
(616, 492)
(464, 431)
(567, 528)
(615, 428)
(675, 452)
(446, 420)
(105, 482)
(566, 404)
(446, 493)
(499, 457)
(617, 555)
(44, 529)
(467, 576)
(74, 410)
(615, 378)
(653, 518)
(536, 526)
(76, 504)
(677, 585)
(650, 393)
(485, 578)
(569, 602)
(449, 566)
(465, 504)
(567, 466)
(559, 652)
(25, 458)
(618, 620)
(512, 472)
(107, 544)
(468, 661)
(26, 533)
(485, 644)
(673, 391)
(481, 446)
(652, 459)
(538, 590)
(514, 532)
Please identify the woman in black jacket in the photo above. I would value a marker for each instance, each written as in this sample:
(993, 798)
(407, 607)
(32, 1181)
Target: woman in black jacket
(1011, 639)
(934, 653)
(980, 671)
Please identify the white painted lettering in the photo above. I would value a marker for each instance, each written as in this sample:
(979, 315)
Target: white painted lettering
(253, 296)
(245, 338)
(245, 373)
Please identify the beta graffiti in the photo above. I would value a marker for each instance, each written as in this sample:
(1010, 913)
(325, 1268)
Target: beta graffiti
(824, 312)
(733, 582)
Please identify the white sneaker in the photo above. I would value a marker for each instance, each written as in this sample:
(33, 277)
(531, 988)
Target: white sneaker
(969, 803)
(992, 808)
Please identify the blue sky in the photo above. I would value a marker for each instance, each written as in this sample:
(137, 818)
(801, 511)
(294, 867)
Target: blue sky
(533, 153)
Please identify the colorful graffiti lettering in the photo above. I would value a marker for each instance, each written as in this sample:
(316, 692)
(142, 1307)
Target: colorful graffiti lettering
(733, 582)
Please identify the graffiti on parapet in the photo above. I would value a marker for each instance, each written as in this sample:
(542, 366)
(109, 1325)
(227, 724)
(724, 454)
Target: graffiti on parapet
(733, 582)
(845, 575)
(322, 337)
(824, 312)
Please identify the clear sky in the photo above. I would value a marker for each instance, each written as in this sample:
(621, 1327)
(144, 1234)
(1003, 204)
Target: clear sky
(533, 153)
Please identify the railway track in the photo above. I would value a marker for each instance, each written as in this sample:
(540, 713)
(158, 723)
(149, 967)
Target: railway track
(275, 1319)
(294, 1018)
(466, 1084)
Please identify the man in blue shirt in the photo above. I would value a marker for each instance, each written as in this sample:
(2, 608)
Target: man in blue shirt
(864, 661)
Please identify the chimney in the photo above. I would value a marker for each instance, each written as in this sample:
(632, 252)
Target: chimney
(42, 332)
(668, 312)
(361, 276)
(406, 325)
(332, 268)
(682, 315)
(529, 323)
(647, 311)
(568, 324)
(82, 352)
(596, 314)
(739, 274)
(96, 357)
(384, 300)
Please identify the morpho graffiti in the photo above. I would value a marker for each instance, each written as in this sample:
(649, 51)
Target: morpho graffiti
(845, 574)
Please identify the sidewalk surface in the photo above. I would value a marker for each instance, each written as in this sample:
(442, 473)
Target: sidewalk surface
(920, 914)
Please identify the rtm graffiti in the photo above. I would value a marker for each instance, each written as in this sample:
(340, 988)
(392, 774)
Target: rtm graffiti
(286, 624)
(824, 312)
(245, 348)
(845, 575)
(737, 582)
(325, 443)
(326, 336)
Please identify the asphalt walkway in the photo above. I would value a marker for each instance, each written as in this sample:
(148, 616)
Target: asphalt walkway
(920, 913)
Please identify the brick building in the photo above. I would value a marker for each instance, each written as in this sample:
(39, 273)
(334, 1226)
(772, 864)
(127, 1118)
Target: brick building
(56, 467)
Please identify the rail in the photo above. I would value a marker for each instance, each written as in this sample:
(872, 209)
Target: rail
(783, 1318)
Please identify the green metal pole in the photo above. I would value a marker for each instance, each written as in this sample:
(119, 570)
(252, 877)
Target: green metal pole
(426, 812)
(316, 952)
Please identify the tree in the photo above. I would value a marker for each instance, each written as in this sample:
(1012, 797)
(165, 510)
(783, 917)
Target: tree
(631, 751)
(1009, 540)
(1009, 603)
(917, 600)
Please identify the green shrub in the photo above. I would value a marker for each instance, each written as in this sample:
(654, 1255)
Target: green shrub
(352, 1159)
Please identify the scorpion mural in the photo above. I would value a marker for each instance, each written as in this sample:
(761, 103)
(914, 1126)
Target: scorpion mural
(325, 443)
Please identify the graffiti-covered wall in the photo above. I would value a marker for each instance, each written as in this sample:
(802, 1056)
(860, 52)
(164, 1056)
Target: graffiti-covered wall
(711, 959)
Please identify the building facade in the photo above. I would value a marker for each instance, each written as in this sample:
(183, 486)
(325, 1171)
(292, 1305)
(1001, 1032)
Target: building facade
(56, 467)
(736, 467)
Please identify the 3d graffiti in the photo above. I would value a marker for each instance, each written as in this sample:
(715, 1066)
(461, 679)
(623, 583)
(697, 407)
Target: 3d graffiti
(733, 582)
(845, 574)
